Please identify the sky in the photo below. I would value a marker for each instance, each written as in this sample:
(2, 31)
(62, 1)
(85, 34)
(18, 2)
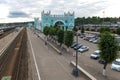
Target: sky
(27, 10)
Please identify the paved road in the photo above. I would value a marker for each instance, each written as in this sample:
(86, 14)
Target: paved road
(92, 66)
(49, 64)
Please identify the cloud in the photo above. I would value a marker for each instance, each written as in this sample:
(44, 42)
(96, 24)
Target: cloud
(82, 8)
(17, 14)
(2, 1)
(90, 8)
(4, 11)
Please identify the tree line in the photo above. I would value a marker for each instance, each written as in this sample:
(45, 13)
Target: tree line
(95, 20)
(59, 35)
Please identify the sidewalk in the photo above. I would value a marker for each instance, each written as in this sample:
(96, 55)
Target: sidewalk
(51, 65)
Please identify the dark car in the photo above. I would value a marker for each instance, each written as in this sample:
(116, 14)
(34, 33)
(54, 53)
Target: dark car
(88, 38)
(82, 35)
(101, 61)
(74, 44)
(78, 46)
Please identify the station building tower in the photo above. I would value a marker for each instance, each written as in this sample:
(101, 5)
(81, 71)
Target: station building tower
(65, 21)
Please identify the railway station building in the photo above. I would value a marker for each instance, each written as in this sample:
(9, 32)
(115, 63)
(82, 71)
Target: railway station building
(65, 21)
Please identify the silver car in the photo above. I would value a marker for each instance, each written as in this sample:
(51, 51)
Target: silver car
(116, 65)
(95, 54)
(83, 49)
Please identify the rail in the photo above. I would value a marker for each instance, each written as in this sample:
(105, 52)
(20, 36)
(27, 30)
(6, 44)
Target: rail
(11, 59)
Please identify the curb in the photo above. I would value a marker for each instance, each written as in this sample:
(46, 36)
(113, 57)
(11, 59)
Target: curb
(51, 45)
(55, 48)
(83, 71)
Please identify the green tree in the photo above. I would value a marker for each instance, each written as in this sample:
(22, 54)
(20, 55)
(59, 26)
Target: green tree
(52, 31)
(60, 36)
(82, 30)
(118, 31)
(95, 20)
(68, 39)
(57, 28)
(108, 46)
(103, 29)
(75, 29)
(46, 31)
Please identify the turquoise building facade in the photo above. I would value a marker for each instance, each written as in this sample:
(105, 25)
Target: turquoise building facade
(65, 21)
(37, 24)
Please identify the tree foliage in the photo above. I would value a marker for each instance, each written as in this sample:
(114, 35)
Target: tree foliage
(82, 30)
(103, 29)
(57, 28)
(60, 36)
(118, 31)
(108, 46)
(95, 20)
(68, 38)
(52, 31)
(46, 30)
(75, 29)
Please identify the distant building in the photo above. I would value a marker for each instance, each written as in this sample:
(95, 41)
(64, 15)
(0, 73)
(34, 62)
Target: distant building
(30, 25)
(37, 24)
(65, 21)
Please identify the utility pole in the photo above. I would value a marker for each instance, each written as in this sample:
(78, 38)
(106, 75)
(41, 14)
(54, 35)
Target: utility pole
(75, 70)
(103, 18)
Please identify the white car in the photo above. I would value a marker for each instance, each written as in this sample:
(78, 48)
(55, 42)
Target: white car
(83, 49)
(95, 54)
(95, 41)
(92, 39)
(116, 65)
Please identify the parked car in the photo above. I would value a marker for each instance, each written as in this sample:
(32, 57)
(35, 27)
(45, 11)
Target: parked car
(101, 61)
(78, 46)
(95, 41)
(83, 49)
(82, 35)
(92, 39)
(74, 44)
(95, 54)
(87, 38)
(116, 65)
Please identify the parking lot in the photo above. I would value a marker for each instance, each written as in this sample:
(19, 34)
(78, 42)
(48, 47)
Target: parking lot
(92, 66)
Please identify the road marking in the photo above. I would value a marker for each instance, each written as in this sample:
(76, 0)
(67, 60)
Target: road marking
(35, 60)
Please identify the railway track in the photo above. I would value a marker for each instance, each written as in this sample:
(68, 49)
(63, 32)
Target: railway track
(6, 33)
(14, 60)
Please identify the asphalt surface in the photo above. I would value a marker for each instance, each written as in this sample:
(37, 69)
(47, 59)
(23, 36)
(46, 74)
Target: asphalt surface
(90, 65)
(46, 64)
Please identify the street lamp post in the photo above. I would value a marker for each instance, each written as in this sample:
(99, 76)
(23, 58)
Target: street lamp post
(75, 70)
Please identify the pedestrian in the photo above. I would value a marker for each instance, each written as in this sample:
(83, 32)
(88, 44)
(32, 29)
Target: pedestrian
(45, 42)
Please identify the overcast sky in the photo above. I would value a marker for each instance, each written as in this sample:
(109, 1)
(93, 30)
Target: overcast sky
(23, 10)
